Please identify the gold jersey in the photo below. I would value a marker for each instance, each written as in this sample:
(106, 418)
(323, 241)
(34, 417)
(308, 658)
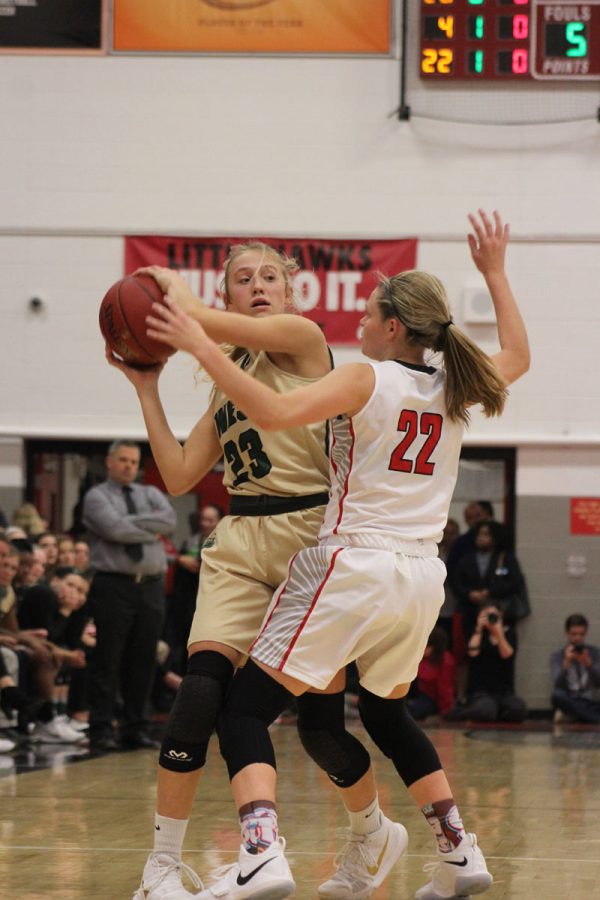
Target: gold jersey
(277, 463)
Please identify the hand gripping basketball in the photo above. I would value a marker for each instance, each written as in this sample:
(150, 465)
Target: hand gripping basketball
(123, 313)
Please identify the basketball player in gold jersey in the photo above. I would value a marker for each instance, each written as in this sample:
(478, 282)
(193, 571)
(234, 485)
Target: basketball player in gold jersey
(279, 484)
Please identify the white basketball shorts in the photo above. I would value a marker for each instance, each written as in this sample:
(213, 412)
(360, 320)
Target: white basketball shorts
(345, 603)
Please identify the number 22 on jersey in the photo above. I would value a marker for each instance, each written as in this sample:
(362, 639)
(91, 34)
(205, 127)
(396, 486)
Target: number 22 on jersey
(406, 457)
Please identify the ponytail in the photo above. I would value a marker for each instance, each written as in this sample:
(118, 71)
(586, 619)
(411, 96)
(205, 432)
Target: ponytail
(471, 377)
(419, 301)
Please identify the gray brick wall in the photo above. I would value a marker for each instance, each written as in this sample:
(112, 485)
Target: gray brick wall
(544, 544)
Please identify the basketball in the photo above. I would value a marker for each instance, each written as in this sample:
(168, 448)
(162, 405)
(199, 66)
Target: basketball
(123, 314)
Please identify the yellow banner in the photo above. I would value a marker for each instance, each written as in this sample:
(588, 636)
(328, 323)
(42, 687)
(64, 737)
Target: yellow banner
(253, 26)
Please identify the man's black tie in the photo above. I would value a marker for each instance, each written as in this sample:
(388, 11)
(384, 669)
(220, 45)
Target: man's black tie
(134, 551)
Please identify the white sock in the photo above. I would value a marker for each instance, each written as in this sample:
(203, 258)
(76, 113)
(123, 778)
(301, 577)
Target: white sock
(366, 821)
(169, 835)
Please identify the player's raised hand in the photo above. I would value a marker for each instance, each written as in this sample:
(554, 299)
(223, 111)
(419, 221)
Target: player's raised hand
(171, 283)
(488, 243)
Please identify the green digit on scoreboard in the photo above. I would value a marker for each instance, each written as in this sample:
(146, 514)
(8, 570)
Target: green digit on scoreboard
(475, 62)
(575, 35)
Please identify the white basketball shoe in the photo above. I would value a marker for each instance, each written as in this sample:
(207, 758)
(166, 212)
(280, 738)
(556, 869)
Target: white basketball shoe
(161, 879)
(255, 876)
(6, 745)
(366, 861)
(55, 732)
(460, 873)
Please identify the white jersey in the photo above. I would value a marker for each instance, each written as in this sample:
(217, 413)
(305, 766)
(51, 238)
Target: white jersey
(394, 464)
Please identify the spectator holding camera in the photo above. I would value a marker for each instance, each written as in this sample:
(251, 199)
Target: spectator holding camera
(490, 689)
(575, 671)
(488, 575)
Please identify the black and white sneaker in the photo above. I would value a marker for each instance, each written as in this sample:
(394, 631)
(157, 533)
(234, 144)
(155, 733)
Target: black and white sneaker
(255, 876)
(460, 873)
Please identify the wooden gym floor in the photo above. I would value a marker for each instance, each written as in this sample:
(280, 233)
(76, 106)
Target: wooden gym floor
(81, 830)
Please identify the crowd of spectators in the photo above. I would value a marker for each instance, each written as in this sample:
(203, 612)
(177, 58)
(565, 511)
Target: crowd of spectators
(485, 596)
(44, 637)
(48, 635)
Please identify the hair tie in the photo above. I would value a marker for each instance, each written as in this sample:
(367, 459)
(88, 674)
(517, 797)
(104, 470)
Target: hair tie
(449, 322)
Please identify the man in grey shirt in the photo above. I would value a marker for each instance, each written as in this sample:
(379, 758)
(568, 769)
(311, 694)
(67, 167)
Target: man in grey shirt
(125, 521)
(575, 671)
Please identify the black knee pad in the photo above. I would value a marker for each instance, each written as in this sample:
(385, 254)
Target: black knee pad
(391, 726)
(195, 711)
(322, 730)
(254, 701)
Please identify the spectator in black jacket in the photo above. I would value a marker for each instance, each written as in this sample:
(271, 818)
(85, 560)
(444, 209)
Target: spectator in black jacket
(473, 513)
(488, 575)
(490, 690)
(58, 608)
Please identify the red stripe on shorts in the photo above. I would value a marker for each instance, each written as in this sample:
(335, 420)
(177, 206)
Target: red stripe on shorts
(291, 563)
(347, 479)
(310, 609)
(331, 449)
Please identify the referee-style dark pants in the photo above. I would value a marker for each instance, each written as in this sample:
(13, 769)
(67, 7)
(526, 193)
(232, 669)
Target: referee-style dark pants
(129, 619)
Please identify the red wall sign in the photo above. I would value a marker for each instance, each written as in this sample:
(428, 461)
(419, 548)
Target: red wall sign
(585, 515)
(332, 285)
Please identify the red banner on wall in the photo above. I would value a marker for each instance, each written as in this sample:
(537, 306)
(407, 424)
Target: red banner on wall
(331, 287)
(585, 515)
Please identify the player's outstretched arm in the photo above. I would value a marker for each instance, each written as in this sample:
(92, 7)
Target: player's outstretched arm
(289, 334)
(488, 250)
(345, 390)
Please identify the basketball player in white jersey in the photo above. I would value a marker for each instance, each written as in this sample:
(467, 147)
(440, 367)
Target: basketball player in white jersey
(279, 484)
(372, 588)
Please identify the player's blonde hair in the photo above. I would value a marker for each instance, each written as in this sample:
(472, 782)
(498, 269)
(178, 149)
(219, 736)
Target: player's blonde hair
(419, 301)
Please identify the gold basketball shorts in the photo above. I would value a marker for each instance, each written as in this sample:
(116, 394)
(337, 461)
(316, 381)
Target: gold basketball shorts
(243, 562)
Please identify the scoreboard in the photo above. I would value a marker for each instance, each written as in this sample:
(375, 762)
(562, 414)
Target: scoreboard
(495, 40)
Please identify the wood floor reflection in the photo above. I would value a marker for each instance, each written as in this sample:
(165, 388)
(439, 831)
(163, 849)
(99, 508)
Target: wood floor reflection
(79, 831)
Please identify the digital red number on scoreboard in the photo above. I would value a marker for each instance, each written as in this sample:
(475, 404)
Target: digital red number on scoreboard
(509, 39)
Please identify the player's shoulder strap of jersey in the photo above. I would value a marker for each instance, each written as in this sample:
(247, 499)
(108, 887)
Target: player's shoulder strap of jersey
(245, 360)
(327, 423)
